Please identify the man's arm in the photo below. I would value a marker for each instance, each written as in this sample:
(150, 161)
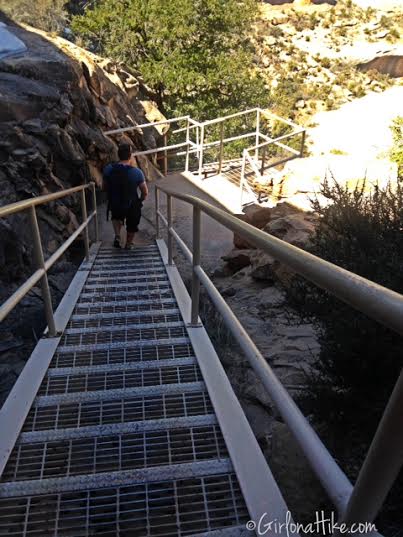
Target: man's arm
(144, 190)
(140, 182)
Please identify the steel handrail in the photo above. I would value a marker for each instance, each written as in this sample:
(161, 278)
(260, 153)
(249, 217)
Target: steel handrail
(372, 299)
(22, 205)
(362, 502)
(277, 140)
(147, 125)
(44, 266)
(201, 127)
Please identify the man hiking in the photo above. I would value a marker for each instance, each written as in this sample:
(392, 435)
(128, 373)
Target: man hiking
(123, 181)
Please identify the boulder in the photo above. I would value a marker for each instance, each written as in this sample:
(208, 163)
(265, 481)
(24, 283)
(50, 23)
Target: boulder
(237, 259)
(264, 267)
(295, 229)
(255, 216)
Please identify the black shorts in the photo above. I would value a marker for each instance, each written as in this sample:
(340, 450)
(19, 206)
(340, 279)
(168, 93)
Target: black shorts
(130, 216)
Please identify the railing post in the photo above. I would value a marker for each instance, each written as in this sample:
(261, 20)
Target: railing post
(382, 463)
(40, 262)
(94, 202)
(301, 151)
(242, 176)
(166, 155)
(197, 142)
(257, 134)
(85, 231)
(157, 208)
(170, 239)
(188, 146)
(194, 320)
(221, 146)
(263, 160)
(201, 150)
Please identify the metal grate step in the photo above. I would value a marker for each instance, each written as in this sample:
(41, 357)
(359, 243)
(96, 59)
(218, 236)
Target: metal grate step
(116, 380)
(124, 254)
(131, 254)
(113, 479)
(164, 509)
(120, 306)
(118, 393)
(147, 337)
(132, 295)
(162, 351)
(106, 272)
(119, 410)
(125, 326)
(110, 453)
(129, 260)
(161, 283)
(120, 265)
(123, 288)
(94, 431)
(131, 366)
(124, 318)
(112, 279)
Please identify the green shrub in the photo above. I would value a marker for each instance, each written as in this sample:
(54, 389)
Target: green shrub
(197, 57)
(394, 34)
(326, 63)
(360, 359)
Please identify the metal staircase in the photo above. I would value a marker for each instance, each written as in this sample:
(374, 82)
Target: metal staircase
(123, 421)
(122, 438)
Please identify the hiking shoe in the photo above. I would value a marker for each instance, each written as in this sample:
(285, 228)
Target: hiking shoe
(129, 247)
(116, 242)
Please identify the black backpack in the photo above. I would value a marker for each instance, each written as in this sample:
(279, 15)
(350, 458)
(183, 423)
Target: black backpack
(118, 189)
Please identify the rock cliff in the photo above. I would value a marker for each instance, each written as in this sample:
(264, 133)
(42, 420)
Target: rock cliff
(56, 100)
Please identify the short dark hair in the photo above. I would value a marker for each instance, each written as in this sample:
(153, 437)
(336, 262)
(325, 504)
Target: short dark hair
(124, 151)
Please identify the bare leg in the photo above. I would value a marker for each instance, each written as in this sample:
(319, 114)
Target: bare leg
(117, 226)
(130, 238)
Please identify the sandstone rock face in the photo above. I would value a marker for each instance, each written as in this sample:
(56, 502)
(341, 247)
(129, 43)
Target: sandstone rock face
(296, 228)
(283, 221)
(56, 100)
(389, 64)
(255, 216)
(238, 259)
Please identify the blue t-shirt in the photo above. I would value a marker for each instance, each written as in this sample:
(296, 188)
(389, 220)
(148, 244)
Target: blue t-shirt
(135, 178)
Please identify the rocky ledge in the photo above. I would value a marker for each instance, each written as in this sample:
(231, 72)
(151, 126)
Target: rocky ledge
(56, 100)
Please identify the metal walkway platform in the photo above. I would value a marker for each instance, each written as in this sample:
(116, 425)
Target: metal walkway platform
(122, 438)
